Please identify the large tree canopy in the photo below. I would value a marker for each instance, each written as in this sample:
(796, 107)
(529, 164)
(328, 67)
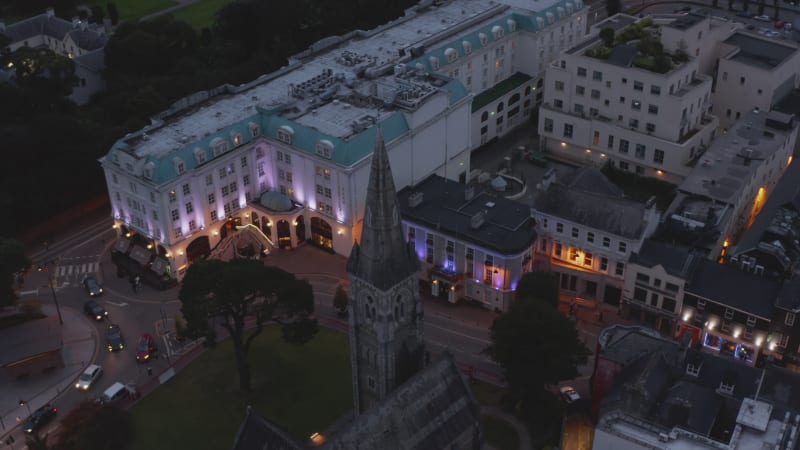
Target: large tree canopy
(12, 260)
(225, 293)
(92, 426)
(537, 346)
(539, 285)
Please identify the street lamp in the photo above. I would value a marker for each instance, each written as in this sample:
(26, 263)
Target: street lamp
(51, 282)
(24, 403)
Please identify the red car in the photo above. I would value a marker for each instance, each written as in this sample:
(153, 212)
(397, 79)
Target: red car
(146, 348)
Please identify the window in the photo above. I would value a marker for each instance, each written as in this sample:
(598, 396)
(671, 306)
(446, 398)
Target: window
(611, 141)
(652, 109)
(620, 269)
(668, 304)
(559, 227)
(212, 198)
(590, 236)
(243, 160)
(223, 172)
(597, 75)
(751, 321)
(186, 189)
(606, 242)
(604, 264)
(246, 180)
(636, 105)
(567, 130)
(285, 134)
(261, 170)
(557, 103)
(578, 108)
(287, 158)
(225, 190)
(655, 90)
(581, 71)
(622, 99)
(575, 232)
(640, 294)
(644, 278)
(189, 208)
(192, 225)
(638, 86)
(234, 187)
(640, 151)
(634, 123)
(658, 156)
(175, 215)
(557, 249)
(172, 196)
(595, 93)
(789, 319)
(728, 314)
(548, 125)
(623, 247)
(587, 259)
(692, 370)
(623, 165)
(639, 170)
(671, 287)
(623, 146)
(653, 299)
(209, 179)
(559, 85)
(651, 127)
(579, 90)
(701, 304)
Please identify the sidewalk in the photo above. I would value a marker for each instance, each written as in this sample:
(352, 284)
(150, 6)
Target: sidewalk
(79, 344)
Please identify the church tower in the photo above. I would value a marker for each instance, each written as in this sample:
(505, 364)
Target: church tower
(386, 346)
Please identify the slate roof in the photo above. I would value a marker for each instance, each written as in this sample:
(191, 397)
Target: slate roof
(57, 28)
(780, 387)
(592, 200)
(94, 60)
(715, 369)
(29, 339)
(625, 344)
(88, 39)
(734, 287)
(700, 406)
(507, 226)
(258, 433)
(674, 260)
(789, 295)
(429, 411)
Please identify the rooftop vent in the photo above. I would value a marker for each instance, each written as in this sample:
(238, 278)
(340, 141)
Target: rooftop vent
(469, 193)
(490, 204)
(477, 220)
(414, 199)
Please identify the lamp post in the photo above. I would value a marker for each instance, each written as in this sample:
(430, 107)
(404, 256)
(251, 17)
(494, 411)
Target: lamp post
(51, 282)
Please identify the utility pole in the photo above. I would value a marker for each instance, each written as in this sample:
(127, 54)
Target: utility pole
(51, 282)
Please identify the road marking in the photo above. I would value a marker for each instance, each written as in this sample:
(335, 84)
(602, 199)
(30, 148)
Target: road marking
(459, 334)
(31, 292)
(120, 304)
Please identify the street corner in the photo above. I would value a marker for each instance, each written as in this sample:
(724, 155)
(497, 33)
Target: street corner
(175, 346)
(164, 327)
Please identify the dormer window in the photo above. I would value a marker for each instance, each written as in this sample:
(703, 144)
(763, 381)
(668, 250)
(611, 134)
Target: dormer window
(285, 134)
(726, 388)
(148, 170)
(570, 8)
(200, 155)
(693, 370)
(560, 12)
(180, 165)
(512, 25)
(498, 32)
(324, 148)
(550, 18)
(451, 54)
(218, 146)
(255, 129)
(467, 45)
(484, 39)
(434, 62)
(237, 138)
(540, 22)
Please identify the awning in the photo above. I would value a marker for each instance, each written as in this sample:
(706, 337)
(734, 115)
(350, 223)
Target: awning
(122, 245)
(140, 255)
(159, 266)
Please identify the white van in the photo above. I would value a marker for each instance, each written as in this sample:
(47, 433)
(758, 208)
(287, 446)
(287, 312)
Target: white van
(116, 392)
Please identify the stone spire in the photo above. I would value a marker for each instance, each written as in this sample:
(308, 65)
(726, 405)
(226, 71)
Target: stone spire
(382, 258)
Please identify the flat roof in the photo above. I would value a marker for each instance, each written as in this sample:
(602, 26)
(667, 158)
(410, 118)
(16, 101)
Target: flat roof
(733, 157)
(508, 226)
(758, 52)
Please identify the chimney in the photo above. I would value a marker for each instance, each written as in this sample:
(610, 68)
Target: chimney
(477, 220)
(50, 12)
(414, 199)
(469, 193)
(76, 21)
(83, 25)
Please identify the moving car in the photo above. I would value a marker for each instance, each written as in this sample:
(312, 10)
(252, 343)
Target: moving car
(114, 338)
(92, 286)
(146, 348)
(682, 10)
(779, 24)
(95, 310)
(88, 377)
(114, 393)
(762, 18)
(569, 394)
(39, 418)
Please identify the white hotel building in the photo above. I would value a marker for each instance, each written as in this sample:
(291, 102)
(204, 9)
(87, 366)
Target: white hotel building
(287, 155)
(608, 109)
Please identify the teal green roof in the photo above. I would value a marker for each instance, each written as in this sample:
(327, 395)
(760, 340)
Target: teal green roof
(457, 90)
(345, 152)
(498, 90)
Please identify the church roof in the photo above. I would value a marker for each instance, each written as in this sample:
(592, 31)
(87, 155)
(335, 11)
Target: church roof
(382, 258)
(430, 411)
(258, 433)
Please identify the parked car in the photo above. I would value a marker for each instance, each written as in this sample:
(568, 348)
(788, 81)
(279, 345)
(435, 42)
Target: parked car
(39, 418)
(146, 348)
(787, 26)
(779, 24)
(95, 310)
(569, 394)
(763, 18)
(88, 377)
(114, 338)
(682, 10)
(744, 13)
(115, 393)
(92, 286)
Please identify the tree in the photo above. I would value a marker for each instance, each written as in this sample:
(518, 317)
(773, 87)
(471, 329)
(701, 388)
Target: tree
(12, 262)
(225, 294)
(613, 7)
(715, 4)
(340, 300)
(113, 13)
(761, 6)
(94, 426)
(607, 35)
(730, 5)
(97, 14)
(777, 9)
(537, 346)
(42, 71)
(542, 286)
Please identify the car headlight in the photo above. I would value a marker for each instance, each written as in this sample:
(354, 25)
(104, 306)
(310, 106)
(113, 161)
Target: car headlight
(105, 313)
(101, 290)
(77, 385)
(99, 317)
(146, 356)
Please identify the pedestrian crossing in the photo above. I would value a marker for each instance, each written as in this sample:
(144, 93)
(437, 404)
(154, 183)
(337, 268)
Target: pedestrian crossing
(76, 271)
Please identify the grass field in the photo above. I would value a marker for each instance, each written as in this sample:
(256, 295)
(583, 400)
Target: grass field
(200, 14)
(303, 388)
(133, 9)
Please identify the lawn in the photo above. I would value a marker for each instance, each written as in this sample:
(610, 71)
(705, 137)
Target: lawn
(133, 9)
(303, 388)
(200, 14)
